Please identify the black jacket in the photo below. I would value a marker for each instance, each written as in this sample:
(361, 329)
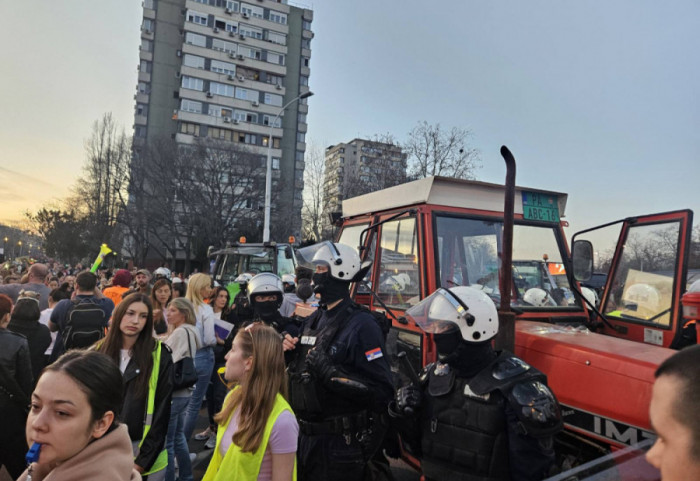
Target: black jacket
(134, 409)
(39, 339)
(15, 365)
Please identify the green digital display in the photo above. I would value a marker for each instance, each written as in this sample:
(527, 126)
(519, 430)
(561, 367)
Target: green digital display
(542, 207)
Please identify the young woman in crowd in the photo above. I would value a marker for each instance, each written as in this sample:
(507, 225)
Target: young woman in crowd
(184, 342)
(74, 416)
(53, 283)
(179, 288)
(25, 321)
(15, 387)
(198, 289)
(160, 296)
(147, 369)
(224, 320)
(257, 438)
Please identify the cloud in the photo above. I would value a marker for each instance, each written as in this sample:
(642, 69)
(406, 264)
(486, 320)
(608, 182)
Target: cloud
(22, 178)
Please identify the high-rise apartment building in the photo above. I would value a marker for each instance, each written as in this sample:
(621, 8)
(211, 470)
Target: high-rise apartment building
(223, 69)
(358, 167)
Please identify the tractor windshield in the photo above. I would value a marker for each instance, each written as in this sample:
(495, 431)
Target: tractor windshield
(469, 251)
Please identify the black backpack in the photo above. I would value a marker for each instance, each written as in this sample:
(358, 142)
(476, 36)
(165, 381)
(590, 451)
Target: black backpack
(85, 324)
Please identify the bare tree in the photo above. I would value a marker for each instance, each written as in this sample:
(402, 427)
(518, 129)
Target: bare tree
(434, 151)
(312, 210)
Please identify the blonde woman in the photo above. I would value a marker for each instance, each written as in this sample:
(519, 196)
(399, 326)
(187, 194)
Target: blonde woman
(199, 289)
(184, 342)
(257, 435)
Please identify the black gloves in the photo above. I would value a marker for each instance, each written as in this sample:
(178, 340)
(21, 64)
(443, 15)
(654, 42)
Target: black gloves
(408, 399)
(321, 365)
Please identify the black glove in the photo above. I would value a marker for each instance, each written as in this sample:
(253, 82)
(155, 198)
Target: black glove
(408, 399)
(321, 365)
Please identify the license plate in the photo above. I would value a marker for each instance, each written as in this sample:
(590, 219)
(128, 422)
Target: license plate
(542, 207)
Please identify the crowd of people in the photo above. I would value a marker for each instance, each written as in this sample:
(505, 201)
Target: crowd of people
(104, 376)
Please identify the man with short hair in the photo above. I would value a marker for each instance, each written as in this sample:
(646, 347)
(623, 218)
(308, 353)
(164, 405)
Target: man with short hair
(36, 282)
(87, 305)
(142, 286)
(675, 416)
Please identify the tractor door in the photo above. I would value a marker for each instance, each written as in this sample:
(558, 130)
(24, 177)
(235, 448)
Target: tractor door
(646, 278)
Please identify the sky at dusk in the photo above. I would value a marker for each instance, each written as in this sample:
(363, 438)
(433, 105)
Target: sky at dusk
(596, 99)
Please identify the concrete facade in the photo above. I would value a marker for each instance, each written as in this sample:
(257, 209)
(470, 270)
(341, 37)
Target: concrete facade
(223, 69)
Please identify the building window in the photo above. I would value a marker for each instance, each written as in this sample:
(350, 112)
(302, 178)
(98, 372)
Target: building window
(145, 66)
(247, 94)
(247, 138)
(196, 39)
(223, 46)
(276, 37)
(306, 24)
(147, 25)
(143, 88)
(223, 67)
(276, 58)
(221, 89)
(140, 131)
(225, 25)
(189, 128)
(149, 4)
(305, 61)
(250, 31)
(142, 109)
(191, 106)
(278, 17)
(251, 10)
(146, 45)
(273, 99)
(267, 120)
(274, 79)
(196, 17)
(249, 52)
(305, 43)
(299, 156)
(301, 137)
(275, 163)
(221, 134)
(301, 117)
(192, 83)
(232, 6)
(304, 80)
(193, 61)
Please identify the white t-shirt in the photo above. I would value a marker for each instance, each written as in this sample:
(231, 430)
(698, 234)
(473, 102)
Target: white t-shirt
(44, 319)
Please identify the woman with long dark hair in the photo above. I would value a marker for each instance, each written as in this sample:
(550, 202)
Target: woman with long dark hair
(257, 438)
(160, 296)
(74, 417)
(147, 368)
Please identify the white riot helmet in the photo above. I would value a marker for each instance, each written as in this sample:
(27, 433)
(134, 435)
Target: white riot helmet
(538, 297)
(265, 283)
(243, 278)
(590, 295)
(342, 260)
(162, 272)
(289, 279)
(468, 309)
(642, 299)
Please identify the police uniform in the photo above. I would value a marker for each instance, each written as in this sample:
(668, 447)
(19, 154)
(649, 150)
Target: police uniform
(480, 414)
(340, 419)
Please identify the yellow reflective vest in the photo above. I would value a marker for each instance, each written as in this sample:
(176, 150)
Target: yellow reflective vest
(237, 465)
(162, 459)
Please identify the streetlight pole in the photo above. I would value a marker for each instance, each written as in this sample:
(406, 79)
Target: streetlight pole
(268, 175)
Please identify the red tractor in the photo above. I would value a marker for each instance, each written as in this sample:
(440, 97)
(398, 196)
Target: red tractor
(442, 232)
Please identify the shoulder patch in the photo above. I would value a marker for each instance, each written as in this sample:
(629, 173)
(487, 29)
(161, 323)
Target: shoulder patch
(373, 354)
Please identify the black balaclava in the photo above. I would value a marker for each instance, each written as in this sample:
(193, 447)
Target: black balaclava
(267, 310)
(329, 288)
(467, 358)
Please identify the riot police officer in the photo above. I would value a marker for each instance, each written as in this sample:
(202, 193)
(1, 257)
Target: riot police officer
(340, 379)
(481, 414)
(265, 295)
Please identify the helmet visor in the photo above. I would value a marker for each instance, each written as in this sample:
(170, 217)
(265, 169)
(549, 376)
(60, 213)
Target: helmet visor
(322, 253)
(440, 312)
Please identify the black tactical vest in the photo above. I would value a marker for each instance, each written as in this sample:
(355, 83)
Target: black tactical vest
(309, 399)
(464, 434)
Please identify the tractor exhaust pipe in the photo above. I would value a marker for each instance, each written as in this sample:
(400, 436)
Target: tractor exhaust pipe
(506, 317)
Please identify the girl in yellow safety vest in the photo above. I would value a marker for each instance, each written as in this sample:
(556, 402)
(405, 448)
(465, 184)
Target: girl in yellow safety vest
(147, 370)
(257, 435)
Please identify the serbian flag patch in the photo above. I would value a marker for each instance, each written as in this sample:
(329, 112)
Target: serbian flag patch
(373, 354)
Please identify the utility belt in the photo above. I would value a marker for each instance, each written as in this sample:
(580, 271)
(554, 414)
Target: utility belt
(348, 424)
